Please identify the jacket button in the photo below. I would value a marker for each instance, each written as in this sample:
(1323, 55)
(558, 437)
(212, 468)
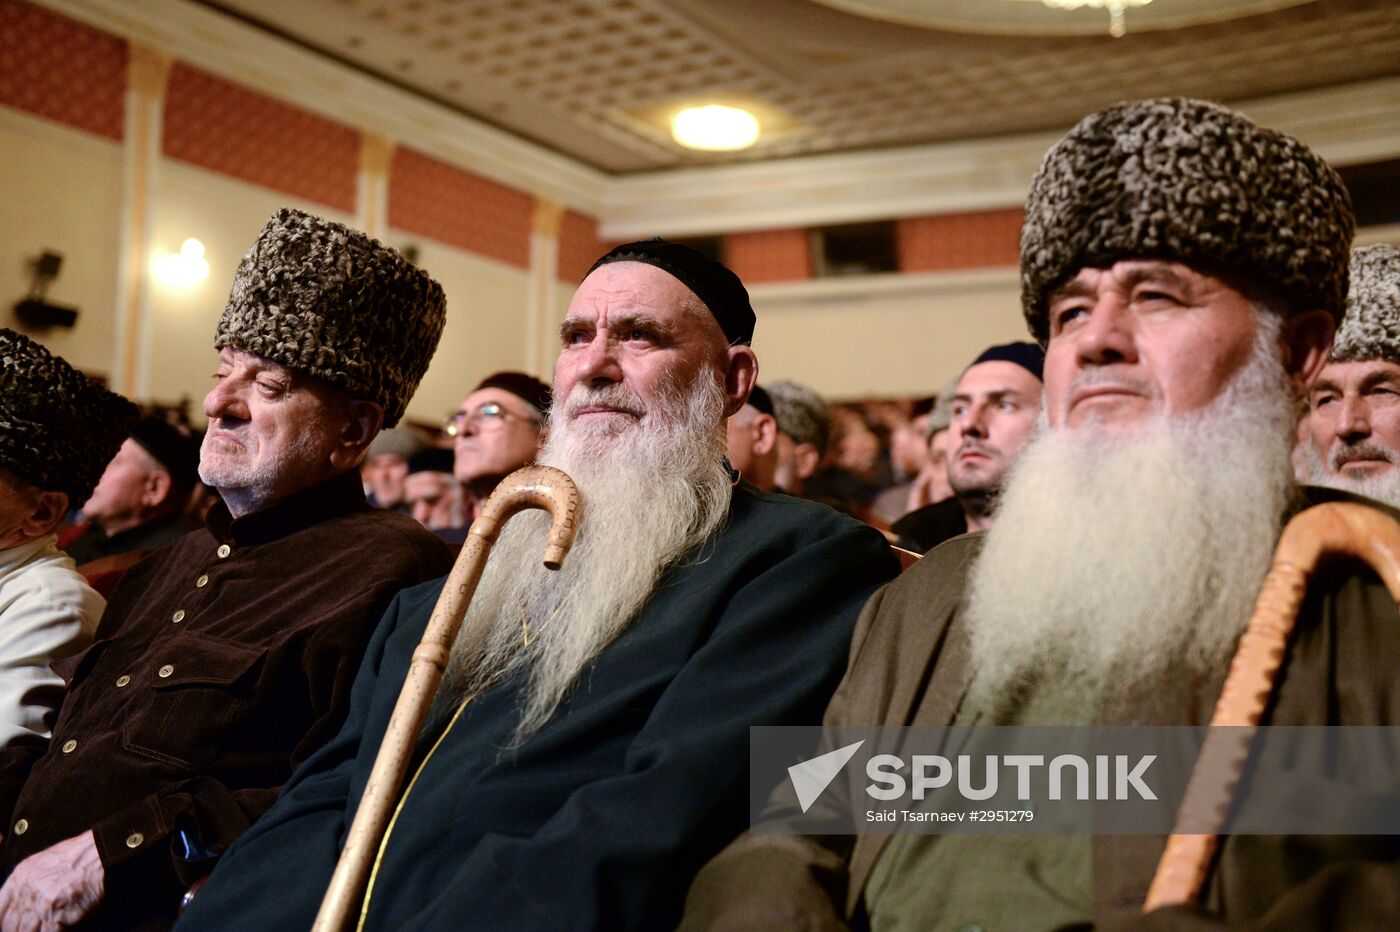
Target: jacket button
(224, 550)
(134, 840)
(69, 746)
(123, 680)
(179, 616)
(21, 826)
(202, 581)
(166, 670)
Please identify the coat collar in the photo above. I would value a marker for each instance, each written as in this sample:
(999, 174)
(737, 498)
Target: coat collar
(337, 496)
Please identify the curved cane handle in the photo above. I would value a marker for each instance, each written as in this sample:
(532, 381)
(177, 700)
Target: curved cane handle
(532, 487)
(1336, 528)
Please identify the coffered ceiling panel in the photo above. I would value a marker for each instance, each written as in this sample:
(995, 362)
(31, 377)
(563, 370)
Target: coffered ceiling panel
(598, 79)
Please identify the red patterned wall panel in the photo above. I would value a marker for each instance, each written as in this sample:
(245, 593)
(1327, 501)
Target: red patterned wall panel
(61, 70)
(229, 129)
(579, 246)
(453, 206)
(959, 241)
(769, 255)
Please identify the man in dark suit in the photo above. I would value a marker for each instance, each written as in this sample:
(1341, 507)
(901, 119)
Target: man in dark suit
(590, 751)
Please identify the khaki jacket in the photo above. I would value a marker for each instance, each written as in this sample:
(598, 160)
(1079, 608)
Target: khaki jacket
(908, 666)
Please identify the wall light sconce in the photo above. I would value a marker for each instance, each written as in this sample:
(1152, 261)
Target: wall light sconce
(184, 269)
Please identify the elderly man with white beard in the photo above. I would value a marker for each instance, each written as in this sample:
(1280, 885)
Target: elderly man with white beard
(225, 659)
(581, 764)
(1352, 428)
(1183, 268)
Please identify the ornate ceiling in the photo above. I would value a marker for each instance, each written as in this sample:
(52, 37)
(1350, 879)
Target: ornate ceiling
(598, 79)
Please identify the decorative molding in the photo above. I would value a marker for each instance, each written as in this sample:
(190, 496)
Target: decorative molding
(856, 288)
(547, 217)
(1347, 124)
(148, 73)
(222, 46)
(372, 184)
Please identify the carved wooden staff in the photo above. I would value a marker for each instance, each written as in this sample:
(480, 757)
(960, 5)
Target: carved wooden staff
(532, 487)
(1338, 528)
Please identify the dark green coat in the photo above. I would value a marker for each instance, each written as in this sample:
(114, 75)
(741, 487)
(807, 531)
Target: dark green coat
(909, 667)
(602, 818)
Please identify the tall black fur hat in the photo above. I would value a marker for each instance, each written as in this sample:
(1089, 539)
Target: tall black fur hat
(58, 428)
(1371, 327)
(1183, 179)
(325, 299)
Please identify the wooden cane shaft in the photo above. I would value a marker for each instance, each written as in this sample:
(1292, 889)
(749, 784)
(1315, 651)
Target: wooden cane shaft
(1339, 528)
(532, 487)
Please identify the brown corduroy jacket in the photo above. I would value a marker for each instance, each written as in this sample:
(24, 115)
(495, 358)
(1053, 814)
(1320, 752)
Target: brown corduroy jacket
(221, 663)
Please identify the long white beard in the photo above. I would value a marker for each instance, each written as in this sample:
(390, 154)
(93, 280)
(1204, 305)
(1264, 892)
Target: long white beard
(1384, 487)
(650, 492)
(1117, 558)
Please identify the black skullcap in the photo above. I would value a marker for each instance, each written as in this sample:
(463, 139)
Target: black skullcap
(175, 451)
(58, 428)
(713, 283)
(1028, 356)
(433, 459)
(522, 386)
(760, 400)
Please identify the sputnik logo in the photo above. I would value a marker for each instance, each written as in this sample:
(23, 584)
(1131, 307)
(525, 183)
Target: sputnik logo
(811, 777)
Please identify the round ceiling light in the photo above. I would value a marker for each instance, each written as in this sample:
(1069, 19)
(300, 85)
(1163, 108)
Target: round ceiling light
(715, 128)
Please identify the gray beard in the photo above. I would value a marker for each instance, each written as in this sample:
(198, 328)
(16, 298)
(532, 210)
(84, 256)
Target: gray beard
(649, 493)
(1120, 562)
(1384, 488)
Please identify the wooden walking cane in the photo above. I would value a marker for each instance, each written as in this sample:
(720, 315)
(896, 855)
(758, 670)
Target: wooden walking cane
(532, 487)
(1338, 528)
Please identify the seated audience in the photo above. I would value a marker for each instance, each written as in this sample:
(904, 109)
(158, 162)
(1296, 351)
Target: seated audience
(386, 467)
(992, 414)
(434, 496)
(931, 485)
(139, 503)
(497, 430)
(909, 455)
(1353, 422)
(588, 749)
(804, 431)
(1184, 268)
(224, 660)
(753, 440)
(57, 430)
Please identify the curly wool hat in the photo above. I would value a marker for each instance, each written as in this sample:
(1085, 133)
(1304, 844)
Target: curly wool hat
(58, 428)
(1183, 179)
(325, 299)
(1371, 327)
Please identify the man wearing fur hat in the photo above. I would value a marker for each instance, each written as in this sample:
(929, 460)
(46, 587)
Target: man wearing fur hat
(587, 751)
(1184, 269)
(226, 658)
(57, 429)
(1353, 419)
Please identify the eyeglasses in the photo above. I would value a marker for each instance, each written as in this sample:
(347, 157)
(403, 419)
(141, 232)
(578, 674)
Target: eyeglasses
(487, 414)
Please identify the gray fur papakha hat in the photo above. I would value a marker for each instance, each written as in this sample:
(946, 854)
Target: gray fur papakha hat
(1371, 327)
(322, 298)
(1186, 180)
(58, 428)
